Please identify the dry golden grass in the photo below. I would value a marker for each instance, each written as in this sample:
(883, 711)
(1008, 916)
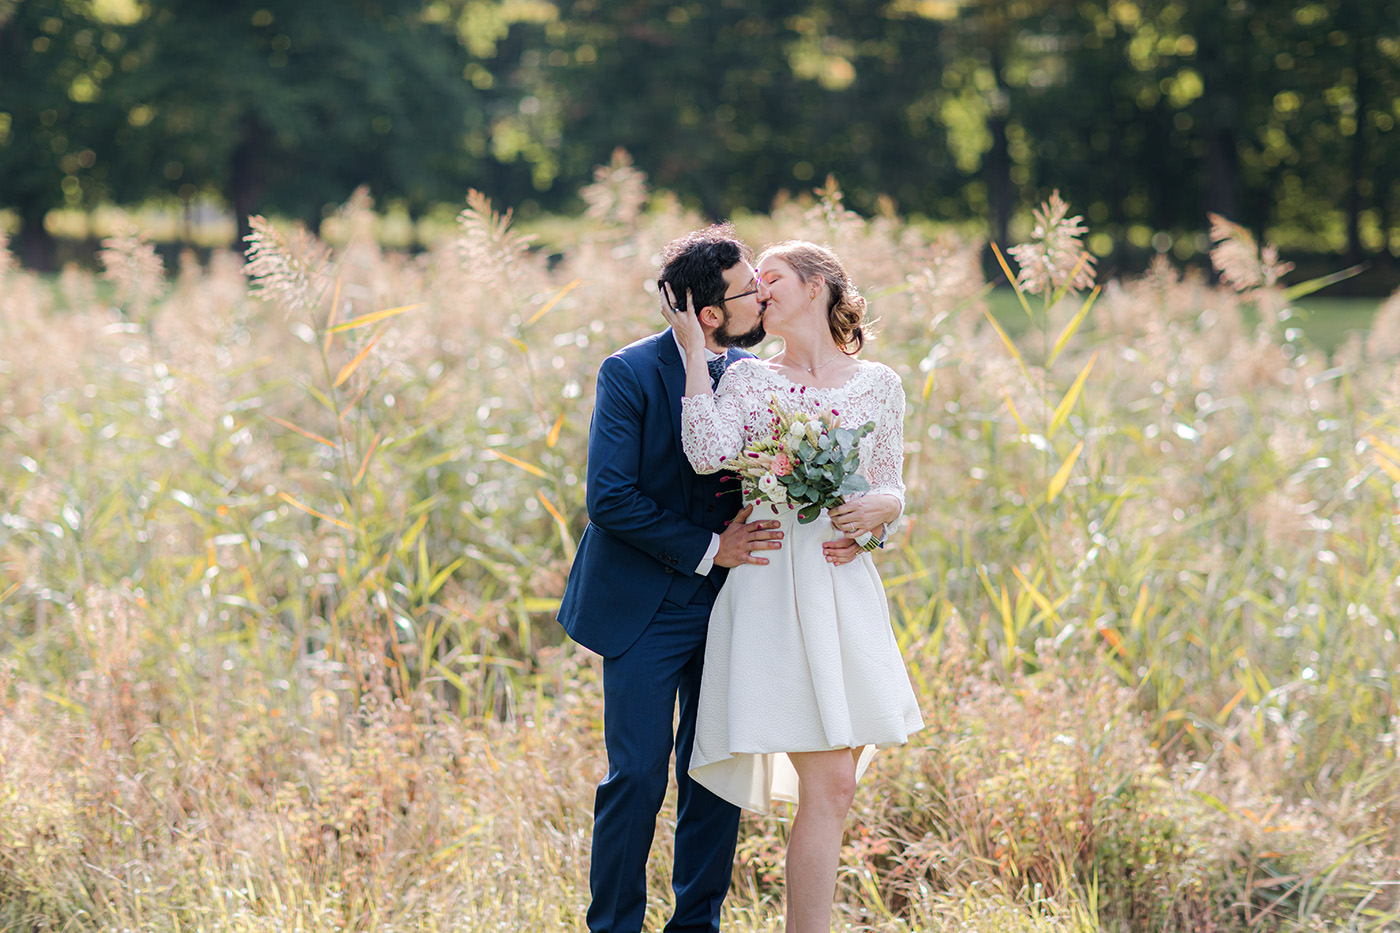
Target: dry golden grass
(278, 567)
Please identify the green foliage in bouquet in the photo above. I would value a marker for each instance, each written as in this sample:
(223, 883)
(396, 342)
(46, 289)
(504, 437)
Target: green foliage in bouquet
(824, 474)
(808, 461)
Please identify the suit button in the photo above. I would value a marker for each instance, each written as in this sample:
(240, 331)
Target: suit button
(669, 570)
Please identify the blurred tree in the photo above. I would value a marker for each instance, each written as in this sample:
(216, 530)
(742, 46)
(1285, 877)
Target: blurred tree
(731, 103)
(1147, 113)
(55, 57)
(288, 105)
(1007, 48)
(1365, 42)
(1152, 113)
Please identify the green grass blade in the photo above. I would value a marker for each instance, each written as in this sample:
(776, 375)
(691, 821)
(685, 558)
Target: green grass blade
(1072, 326)
(1020, 295)
(1061, 477)
(1066, 405)
(1302, 289)
(1010, 345)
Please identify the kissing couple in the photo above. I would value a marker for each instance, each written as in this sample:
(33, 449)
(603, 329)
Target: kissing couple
(767, 622)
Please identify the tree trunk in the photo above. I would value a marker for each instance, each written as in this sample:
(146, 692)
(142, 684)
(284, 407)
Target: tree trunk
(1355, 197)
(998, 177)
(996, 164)
(34, 245)
(1384, 191)
(247, 184)
(1223, 173)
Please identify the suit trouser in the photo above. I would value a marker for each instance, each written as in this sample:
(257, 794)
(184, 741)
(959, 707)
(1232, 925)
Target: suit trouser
(640, 690)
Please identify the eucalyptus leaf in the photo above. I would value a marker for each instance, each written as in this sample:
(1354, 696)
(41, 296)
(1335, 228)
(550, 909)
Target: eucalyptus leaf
(854, 483)
(809, 514)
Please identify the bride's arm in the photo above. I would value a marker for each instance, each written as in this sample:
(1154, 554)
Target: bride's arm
(881, 507)
(691, 338)
(886, 464)
(712, 426)
(882, 464)
(886, 469)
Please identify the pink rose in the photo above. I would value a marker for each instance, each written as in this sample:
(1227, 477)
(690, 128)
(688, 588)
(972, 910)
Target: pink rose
(782, 465)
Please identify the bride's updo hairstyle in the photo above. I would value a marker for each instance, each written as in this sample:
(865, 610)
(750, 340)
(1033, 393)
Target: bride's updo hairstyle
(845, 308)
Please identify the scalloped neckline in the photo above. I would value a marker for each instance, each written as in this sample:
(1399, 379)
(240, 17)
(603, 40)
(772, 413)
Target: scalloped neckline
(864, 366)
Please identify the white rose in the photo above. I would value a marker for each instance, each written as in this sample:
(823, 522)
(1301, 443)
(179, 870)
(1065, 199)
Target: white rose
(797, 432)
(773, 490)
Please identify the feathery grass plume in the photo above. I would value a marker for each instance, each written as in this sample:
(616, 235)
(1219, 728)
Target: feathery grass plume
(618, 192)
(831, 211)
(949, 275)
(1239, 260)
(1054, 257)
(354, 220)
(131, 264)
(490, 252)
(289, 270)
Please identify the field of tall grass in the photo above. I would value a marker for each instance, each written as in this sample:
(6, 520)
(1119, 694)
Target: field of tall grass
(281, 541)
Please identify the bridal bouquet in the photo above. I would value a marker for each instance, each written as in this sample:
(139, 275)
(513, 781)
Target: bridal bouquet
(806, 461)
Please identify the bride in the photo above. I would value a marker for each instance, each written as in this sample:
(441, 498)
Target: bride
(803, 679)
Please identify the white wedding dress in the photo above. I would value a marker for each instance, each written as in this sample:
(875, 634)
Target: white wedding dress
(800, 654)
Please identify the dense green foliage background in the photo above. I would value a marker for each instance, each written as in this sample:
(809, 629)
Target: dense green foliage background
(1149, 113)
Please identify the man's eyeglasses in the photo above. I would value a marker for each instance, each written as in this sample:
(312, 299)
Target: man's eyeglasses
(752, 291)
(669, 296)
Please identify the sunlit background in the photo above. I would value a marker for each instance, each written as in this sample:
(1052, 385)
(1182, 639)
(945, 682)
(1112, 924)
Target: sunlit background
(285, 520)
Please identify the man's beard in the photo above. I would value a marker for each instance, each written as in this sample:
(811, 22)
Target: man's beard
(726, 338)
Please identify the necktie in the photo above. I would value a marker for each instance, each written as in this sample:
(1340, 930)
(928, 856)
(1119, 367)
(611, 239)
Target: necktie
(716, 366)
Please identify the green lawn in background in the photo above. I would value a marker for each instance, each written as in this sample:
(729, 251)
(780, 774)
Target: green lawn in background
(1328, 321)
(1325, 322)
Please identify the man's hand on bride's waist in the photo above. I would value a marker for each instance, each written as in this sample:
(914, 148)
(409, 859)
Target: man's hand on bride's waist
(739, 541)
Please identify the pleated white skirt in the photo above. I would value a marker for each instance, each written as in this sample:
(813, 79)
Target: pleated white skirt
(800, 657)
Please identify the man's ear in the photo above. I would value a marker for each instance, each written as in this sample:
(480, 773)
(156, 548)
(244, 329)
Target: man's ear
(710, 317)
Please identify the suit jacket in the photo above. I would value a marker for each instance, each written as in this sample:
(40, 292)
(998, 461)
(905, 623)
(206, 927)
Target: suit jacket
(651, 516)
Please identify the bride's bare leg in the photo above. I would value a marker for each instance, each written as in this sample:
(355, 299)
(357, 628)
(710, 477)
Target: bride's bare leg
(826, 787)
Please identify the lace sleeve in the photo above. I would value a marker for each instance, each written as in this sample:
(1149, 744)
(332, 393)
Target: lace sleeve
(883, 459)
(712, 426)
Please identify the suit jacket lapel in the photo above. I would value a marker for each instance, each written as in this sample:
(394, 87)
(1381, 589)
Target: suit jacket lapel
(672, 371)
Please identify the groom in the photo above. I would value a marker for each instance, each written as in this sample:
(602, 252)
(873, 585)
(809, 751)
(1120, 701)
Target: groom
(659, 543)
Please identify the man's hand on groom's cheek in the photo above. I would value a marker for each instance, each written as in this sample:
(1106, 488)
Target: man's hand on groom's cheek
(742, 538)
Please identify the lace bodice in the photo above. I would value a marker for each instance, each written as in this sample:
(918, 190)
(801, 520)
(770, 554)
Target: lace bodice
(715, 428)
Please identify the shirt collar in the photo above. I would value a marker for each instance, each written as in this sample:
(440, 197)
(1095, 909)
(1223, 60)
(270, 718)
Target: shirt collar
(709, 354)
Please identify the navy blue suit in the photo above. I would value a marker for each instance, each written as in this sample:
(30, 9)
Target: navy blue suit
(634, 598)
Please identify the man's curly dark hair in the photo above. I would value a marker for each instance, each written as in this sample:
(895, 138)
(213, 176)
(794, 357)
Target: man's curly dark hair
(694, 265)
